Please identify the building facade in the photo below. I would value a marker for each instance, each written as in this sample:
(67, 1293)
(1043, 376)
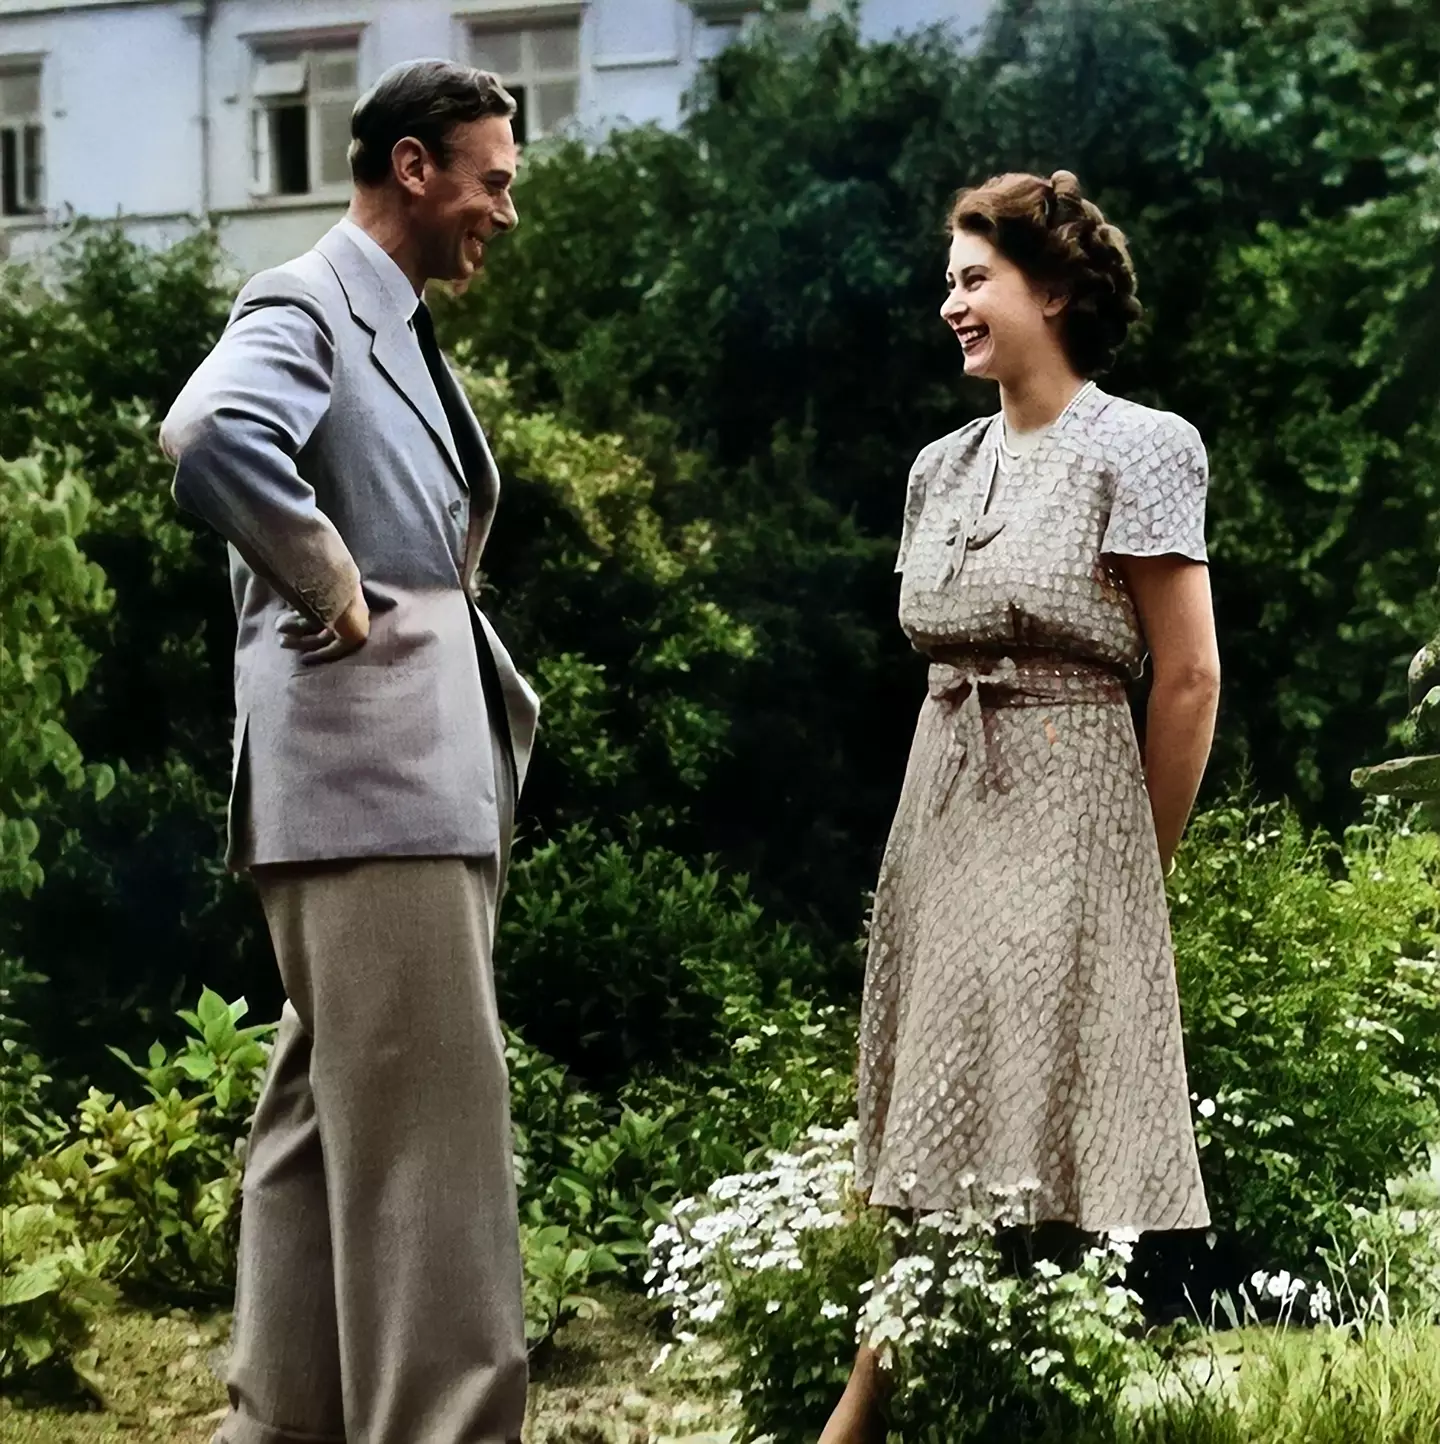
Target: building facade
(162, 111)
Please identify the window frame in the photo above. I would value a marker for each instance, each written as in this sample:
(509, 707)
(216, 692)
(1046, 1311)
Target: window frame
(24, 131)
(309, 53)
(523, 24)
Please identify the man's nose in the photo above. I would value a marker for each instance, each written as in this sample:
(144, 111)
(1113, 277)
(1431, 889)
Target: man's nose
(506, 217)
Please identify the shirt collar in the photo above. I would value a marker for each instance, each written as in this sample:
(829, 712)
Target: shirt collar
(394, 284)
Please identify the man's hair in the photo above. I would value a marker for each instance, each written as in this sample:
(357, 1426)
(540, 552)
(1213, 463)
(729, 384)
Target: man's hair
(420, 100)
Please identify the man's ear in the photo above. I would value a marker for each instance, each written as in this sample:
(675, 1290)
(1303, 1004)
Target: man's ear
(410, 162)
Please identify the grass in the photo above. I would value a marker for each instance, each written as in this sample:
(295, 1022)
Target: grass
(1300, 1387)
(593, 1385)
(158, 1380)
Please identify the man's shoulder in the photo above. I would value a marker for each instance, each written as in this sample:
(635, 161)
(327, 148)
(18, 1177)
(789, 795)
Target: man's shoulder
(308, 281)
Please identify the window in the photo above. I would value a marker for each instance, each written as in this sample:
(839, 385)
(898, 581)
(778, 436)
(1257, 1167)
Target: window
(540, 66)
(22, 140)
(300, 125)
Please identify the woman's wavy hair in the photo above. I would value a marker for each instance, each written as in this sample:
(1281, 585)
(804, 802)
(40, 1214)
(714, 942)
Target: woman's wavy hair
(1063, 242)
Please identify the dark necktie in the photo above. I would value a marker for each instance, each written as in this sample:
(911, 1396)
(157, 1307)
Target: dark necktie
(451, 400)
(462, 430)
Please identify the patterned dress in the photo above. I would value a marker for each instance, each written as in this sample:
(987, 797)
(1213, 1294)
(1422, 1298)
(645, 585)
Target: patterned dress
(1020, 1032)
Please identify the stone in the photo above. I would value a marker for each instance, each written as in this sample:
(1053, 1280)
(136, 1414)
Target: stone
(1416, 779)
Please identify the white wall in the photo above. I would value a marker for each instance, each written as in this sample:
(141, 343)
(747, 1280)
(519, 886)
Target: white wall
(880, 19)
(114, 141)
(125, 99)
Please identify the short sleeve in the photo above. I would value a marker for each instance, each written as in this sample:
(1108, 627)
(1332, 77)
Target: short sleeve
(1159, 503)
(914, 502)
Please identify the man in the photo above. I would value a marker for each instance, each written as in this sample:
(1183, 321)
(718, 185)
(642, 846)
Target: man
(381, 736)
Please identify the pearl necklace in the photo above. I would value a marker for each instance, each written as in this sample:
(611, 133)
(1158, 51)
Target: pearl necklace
(1009, 452)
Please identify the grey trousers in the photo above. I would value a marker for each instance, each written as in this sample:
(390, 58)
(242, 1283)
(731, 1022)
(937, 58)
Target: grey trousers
(379, 1298)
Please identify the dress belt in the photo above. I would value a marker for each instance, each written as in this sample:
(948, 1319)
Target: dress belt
(967, 684)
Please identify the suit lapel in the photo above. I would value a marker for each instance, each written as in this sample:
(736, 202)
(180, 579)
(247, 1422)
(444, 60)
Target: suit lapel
(393, 347)
(484, 479)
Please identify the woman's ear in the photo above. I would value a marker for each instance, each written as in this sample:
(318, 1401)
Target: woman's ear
(1053, 303)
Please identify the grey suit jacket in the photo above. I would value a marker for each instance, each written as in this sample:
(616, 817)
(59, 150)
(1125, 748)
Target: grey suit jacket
(312, 438)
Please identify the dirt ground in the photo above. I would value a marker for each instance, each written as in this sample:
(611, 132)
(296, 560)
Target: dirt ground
(592, 1386)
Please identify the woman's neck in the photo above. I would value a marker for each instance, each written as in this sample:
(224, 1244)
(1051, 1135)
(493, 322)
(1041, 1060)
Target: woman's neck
(1039, 398)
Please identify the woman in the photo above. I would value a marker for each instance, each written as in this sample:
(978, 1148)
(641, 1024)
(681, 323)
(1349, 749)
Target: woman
(1021, 1025)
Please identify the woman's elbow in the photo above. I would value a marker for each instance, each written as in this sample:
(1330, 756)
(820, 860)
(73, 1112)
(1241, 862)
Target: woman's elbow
(1197, 680)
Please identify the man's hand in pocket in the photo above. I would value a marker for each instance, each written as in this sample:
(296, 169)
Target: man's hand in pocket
(318, 643)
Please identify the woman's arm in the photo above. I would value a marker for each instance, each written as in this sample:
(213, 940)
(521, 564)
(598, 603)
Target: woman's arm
(1172, 597)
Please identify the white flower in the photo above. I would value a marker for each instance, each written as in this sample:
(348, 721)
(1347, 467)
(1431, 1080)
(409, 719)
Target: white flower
(773, 1307)
(1206, 1108)
(833, 1311)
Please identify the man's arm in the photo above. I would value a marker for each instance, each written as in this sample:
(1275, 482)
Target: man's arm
(235, 432)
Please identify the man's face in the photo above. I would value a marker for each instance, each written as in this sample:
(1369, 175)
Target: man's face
(463, 205)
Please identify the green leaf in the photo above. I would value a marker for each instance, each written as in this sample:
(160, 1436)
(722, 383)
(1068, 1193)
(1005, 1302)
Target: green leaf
(33, 1281)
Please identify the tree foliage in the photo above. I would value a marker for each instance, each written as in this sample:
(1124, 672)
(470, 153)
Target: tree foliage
(47, 587)
(766, 297)
(707, 359)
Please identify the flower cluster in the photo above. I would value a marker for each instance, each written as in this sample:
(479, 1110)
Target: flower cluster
(1286, 1290)
(935, 1295)
(749, 1222)
(950, 1292)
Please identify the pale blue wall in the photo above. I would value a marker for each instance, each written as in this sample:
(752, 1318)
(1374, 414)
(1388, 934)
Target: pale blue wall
(123, 87)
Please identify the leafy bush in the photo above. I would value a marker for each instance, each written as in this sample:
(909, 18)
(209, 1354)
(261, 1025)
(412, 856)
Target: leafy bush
(615, 957)
(780, 1070)
(47, 588)
(134, 909)
(1048, 1351)
(162, 1180)
(785, 1269)
(558, 1267)
(50, 1286)
(27, 1126)
(788, 1269)
(604, 583)
(1312, 1017)
(149, 1195)
(607, 1166)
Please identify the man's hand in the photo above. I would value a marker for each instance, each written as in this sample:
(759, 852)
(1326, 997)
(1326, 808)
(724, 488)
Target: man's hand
(317, 643)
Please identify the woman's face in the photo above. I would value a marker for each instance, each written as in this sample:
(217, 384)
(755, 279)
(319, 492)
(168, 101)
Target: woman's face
(1004, 323)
